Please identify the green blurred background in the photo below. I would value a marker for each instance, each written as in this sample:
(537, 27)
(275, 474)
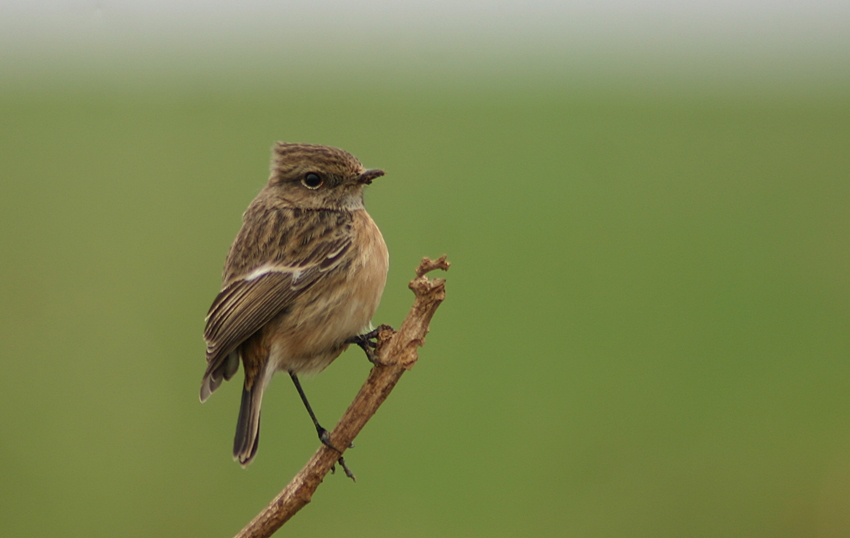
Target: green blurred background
(647, 207)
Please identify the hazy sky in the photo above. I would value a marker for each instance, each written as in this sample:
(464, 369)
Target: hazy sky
(735, 31)
(340, 20)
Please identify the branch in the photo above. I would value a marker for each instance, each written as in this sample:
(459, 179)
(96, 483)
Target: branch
(396, 353)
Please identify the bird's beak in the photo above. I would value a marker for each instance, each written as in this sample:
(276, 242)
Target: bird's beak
(367, 176)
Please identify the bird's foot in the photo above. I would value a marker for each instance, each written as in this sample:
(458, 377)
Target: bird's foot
(345, 468)
(368, 342)
(325, 437)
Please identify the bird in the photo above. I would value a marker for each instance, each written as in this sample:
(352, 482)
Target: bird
(301, 282)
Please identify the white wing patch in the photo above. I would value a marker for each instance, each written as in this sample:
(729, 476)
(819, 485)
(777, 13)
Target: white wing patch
(266, 269)
(335, 253)
(258, 272)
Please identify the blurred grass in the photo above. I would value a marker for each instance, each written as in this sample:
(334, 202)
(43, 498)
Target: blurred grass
(645, 332)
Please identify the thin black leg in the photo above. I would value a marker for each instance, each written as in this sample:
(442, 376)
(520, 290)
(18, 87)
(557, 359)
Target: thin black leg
(324, 436)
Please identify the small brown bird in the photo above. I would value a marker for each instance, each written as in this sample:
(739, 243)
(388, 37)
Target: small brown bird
(302, 281)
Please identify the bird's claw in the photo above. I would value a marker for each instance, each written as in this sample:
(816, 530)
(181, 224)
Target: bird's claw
(368, 342)
(345, 468)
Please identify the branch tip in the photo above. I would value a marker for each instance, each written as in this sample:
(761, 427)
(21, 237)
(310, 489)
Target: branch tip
(427, 265)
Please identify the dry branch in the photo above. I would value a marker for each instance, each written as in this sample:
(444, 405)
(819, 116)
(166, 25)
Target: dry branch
(396, 353)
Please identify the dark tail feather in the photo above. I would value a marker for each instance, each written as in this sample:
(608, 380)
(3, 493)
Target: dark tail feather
(248, 426)
(218, 372)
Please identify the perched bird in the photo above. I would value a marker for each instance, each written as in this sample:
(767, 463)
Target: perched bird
(302, 281)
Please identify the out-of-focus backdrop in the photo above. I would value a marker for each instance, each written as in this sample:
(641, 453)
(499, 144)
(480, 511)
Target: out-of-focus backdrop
(647, 207)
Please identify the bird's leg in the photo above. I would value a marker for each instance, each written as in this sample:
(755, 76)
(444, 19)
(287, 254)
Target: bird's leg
(324, 436)
(368, 342)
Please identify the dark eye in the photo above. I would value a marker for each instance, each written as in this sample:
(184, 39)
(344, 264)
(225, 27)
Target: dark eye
(312, 180)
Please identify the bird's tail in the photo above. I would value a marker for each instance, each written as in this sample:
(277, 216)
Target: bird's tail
(217, 371)
(248, 426)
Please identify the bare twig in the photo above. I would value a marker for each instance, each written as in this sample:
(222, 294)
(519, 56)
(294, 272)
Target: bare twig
(396, 353)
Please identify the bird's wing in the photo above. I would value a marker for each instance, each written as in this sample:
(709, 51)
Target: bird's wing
(308, 247)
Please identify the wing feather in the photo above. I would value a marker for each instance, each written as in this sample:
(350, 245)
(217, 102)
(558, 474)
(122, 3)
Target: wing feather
(263, 282)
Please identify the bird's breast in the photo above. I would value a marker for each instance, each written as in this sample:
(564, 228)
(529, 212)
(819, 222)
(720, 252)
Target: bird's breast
(337, 307)
(369, 270)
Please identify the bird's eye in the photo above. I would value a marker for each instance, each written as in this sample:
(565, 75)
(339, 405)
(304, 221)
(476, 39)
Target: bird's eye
(312, 180)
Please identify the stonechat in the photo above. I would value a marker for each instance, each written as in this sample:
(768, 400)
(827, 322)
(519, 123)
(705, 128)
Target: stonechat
(301, 282)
